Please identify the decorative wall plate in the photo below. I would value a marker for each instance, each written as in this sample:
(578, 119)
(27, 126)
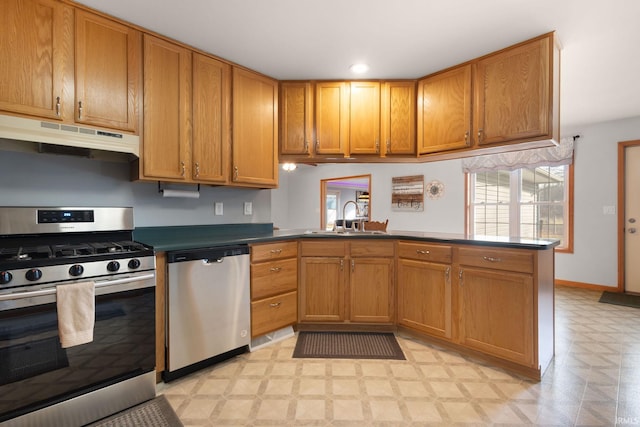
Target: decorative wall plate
(435, 189)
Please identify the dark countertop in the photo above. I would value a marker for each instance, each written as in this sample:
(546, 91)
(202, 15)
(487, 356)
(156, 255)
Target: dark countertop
(174, 238)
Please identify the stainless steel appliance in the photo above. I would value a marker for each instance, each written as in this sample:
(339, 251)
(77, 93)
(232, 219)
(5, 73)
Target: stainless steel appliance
(208, 318)
(42, 383)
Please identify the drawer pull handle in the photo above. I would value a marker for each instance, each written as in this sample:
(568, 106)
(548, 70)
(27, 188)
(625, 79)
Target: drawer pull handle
(491, 259)
(276, 251)
(276, 269)
(421, 252)
(275, 304)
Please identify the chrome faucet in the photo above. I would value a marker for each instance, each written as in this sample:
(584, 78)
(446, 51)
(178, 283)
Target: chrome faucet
(344, 208)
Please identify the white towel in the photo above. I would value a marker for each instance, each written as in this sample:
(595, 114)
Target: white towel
(76, 313)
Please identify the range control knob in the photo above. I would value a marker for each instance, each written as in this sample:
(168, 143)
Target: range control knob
(33, 274)
(134, 263)
(76, 270)
(113, 266)
(5, 277)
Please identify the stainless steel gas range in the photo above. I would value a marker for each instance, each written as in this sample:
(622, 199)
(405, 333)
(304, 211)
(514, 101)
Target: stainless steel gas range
(41, 251)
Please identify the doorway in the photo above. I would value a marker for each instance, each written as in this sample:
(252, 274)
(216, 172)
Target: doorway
(336, 192)
(629, 216)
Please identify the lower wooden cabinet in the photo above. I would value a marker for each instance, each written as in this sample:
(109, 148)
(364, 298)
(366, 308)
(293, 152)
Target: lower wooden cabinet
(424, 297)
(273, 313)
(496, 313)
(274, 285)
(322, 288)
(371, 290)
(347, 281)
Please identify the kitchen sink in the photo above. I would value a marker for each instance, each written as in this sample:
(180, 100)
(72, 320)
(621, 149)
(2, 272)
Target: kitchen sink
(345, 232)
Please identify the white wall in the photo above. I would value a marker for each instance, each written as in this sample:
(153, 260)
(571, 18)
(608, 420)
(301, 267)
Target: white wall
(28, 179)
(302, 189)
(594, 260)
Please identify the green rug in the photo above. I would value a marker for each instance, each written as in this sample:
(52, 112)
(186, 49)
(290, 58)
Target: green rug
(618, 298)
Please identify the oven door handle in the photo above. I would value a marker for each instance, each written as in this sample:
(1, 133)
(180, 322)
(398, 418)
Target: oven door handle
(52, 291)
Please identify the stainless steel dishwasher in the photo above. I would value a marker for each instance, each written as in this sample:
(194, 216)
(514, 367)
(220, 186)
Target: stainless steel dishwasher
(208, 307)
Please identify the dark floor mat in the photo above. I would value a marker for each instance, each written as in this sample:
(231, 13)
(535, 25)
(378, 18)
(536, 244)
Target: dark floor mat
(347, 345)
(153, 413)
(618, 298)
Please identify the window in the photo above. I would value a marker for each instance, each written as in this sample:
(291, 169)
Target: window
(530, 203)
(332, 202)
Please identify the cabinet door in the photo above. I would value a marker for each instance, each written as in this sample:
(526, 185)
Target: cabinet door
(424, 297)
(364, 118)
(108, 72)
(255, 129)
(332, 118)
(496, 313)
(296, 117)
(513, 94)
(167, 110)
(211, 120)
(399, 117)
(36, 70)
(444, 111)
(273, 313)
(371, 290)
(322, 288)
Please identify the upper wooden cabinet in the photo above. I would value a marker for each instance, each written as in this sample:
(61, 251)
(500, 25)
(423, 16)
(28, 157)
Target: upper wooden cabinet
(167, 110)
(255, 130)
(516, 93)
(296, 118)
(444, 111)
(364, 118)
(398, 118)
(36, 70)
(336, 118)
(512, 95)
(41, 52)
(210, 157)
(108, 72)
(332, 118)
(186, 115)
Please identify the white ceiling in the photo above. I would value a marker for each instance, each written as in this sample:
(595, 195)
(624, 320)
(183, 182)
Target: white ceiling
(320, 39)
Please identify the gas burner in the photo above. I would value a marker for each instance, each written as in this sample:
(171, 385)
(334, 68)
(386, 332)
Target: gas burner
(63, 251)
(25, 253)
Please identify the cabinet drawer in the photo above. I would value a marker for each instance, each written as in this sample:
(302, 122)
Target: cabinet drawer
(269, 251)
(497, 259)
(325, 248)
(272, 278)
(425, 252)
(273, 313)
(371, 248)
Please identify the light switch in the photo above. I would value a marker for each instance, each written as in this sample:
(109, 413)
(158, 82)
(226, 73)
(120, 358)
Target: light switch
(608, 210)
(218, 208)
(248, 208)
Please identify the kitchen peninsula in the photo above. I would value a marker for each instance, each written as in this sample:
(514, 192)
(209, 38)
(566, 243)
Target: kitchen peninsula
(487, 297)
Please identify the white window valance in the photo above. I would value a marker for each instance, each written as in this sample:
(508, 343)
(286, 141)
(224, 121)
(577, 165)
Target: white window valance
(562, 154)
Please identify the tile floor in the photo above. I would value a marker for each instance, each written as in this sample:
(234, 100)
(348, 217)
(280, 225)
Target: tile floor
(593, 381)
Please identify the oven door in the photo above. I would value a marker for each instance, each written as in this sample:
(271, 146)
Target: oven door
(36, 372)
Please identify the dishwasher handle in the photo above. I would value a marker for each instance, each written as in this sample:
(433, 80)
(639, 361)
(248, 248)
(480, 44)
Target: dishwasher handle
(209, 253)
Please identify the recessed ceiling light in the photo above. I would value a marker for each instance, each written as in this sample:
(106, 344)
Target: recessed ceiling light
(359, 68)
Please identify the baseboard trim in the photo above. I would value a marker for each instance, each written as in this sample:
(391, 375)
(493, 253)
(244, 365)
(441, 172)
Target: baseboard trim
(583, 285)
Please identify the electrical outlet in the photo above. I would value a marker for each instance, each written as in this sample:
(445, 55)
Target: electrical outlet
(218, 208)
(248, 208)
